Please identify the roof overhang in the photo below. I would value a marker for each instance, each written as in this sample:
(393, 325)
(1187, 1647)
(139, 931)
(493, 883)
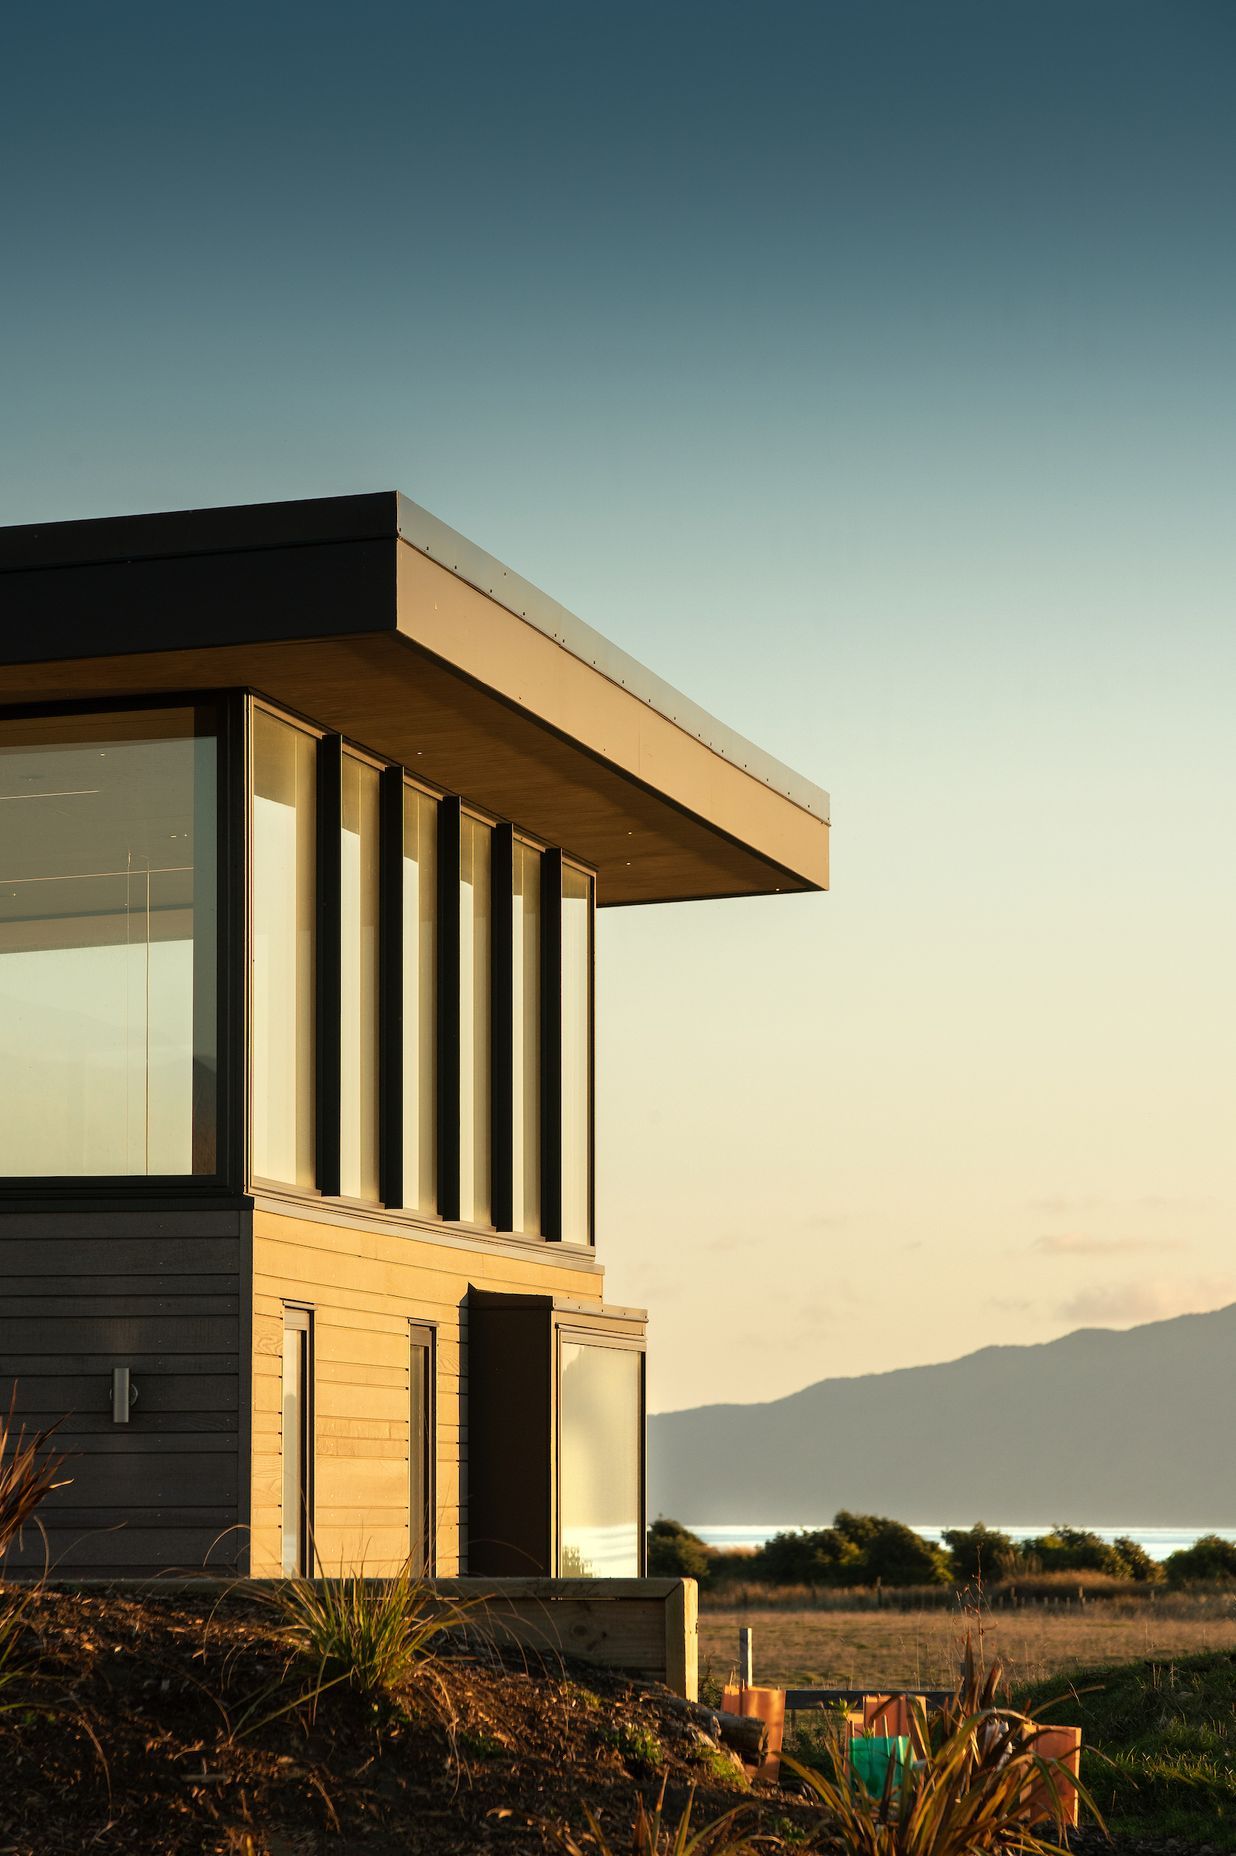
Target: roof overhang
(377, 621)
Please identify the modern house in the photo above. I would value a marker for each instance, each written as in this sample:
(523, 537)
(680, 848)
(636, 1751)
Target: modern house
(305, 813)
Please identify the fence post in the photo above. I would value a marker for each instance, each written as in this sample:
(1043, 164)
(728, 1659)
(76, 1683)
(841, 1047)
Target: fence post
(745, 1659)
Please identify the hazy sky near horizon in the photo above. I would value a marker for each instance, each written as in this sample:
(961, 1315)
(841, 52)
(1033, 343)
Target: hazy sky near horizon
(868, 370)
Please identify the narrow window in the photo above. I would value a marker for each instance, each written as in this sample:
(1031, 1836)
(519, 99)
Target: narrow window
(474, 1021)
(422, 1431)
(526, 1040)
(108, 944)
(358, 968)
(282, 988)
(576, 1056)
(297, 1361)
(420, 991)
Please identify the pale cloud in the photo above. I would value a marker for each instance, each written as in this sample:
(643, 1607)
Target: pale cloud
(1125, 1304)
(1061, 1205)
(1078, 1244)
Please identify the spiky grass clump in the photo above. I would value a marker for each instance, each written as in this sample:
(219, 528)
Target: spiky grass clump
(653, 1834)
(375, 1636)
(29, 1471)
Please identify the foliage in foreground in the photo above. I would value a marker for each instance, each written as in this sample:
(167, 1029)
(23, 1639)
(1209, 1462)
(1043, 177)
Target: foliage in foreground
(653, 1834)
(376, 1636)
(1159, 1743)
(29, 1471)
(965, 1797)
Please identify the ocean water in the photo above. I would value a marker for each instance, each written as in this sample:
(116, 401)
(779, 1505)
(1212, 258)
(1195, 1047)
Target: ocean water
(1158, 1541)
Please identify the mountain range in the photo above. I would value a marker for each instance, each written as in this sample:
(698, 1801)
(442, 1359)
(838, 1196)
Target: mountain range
(1098, 1428)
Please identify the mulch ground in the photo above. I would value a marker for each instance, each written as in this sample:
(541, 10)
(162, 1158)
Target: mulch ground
(173, 1727)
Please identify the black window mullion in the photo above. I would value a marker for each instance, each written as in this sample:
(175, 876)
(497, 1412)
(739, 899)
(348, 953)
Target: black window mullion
(551, 1044)
(328, 978)
(502, 1025)
(449, 834)
(390, 990)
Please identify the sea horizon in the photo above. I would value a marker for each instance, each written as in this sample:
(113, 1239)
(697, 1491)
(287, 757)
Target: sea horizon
(1158, 1542)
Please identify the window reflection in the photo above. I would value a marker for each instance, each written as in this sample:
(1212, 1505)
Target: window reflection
(358, 954)
(576, 1056)
(420, 1000)
(526, 1046)
(284, 875)
(108, 945)
(601, 1493)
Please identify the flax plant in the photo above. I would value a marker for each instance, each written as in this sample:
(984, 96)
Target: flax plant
(966, 1795)
(29, 1471)
(652, 1834)
(374, 1636)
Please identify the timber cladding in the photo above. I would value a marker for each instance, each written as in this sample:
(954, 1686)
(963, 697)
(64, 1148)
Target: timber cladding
(365, 1287)
(159, 1292)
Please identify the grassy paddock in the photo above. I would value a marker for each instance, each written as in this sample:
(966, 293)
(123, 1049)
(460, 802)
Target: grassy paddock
(856, 1647)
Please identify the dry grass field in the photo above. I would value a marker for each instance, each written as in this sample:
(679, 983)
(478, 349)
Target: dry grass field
(854, 1649)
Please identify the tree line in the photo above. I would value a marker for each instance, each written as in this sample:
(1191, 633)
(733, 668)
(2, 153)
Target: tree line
(870, 1550)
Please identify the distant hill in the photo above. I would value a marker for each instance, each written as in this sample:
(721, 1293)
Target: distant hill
(1095, 1429)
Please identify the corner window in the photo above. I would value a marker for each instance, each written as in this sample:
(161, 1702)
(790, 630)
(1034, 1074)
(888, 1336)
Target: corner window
(108, 944)
(600, 1416)
(282, 989)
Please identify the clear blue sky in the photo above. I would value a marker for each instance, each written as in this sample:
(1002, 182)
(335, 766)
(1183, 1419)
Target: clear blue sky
(868, 370)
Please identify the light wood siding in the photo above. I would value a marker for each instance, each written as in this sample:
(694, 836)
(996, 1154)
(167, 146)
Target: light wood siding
(364, 1286)
(82, 1292)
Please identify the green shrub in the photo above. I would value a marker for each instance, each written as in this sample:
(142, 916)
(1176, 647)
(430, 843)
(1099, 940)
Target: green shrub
(980, 1553)
(858, 1549)
(674, 1552)
(1072, 1549)
(1210, 1557)
(1136, 1562)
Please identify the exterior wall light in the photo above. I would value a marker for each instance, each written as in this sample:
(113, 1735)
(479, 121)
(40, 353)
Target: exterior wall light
(124, 1394)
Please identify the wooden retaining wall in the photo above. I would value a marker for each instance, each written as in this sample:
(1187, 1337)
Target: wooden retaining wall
(645, 1627)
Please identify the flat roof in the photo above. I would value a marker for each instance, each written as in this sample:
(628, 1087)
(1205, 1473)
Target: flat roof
(328, 601)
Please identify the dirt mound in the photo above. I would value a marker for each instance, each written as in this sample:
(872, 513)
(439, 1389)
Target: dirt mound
(178, 1725)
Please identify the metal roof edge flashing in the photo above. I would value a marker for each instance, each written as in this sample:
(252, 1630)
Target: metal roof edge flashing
(461, 557)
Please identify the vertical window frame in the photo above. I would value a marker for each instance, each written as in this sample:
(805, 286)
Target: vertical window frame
(298, 1319)
(423, 1338)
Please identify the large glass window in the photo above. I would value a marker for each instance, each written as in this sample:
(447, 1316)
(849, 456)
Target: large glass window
(526, 1046)
(108, 945)
(475, 1071)
(420, 1000)
(576, 1056)
(282, 991)
(358, 974)
(600, 1499)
